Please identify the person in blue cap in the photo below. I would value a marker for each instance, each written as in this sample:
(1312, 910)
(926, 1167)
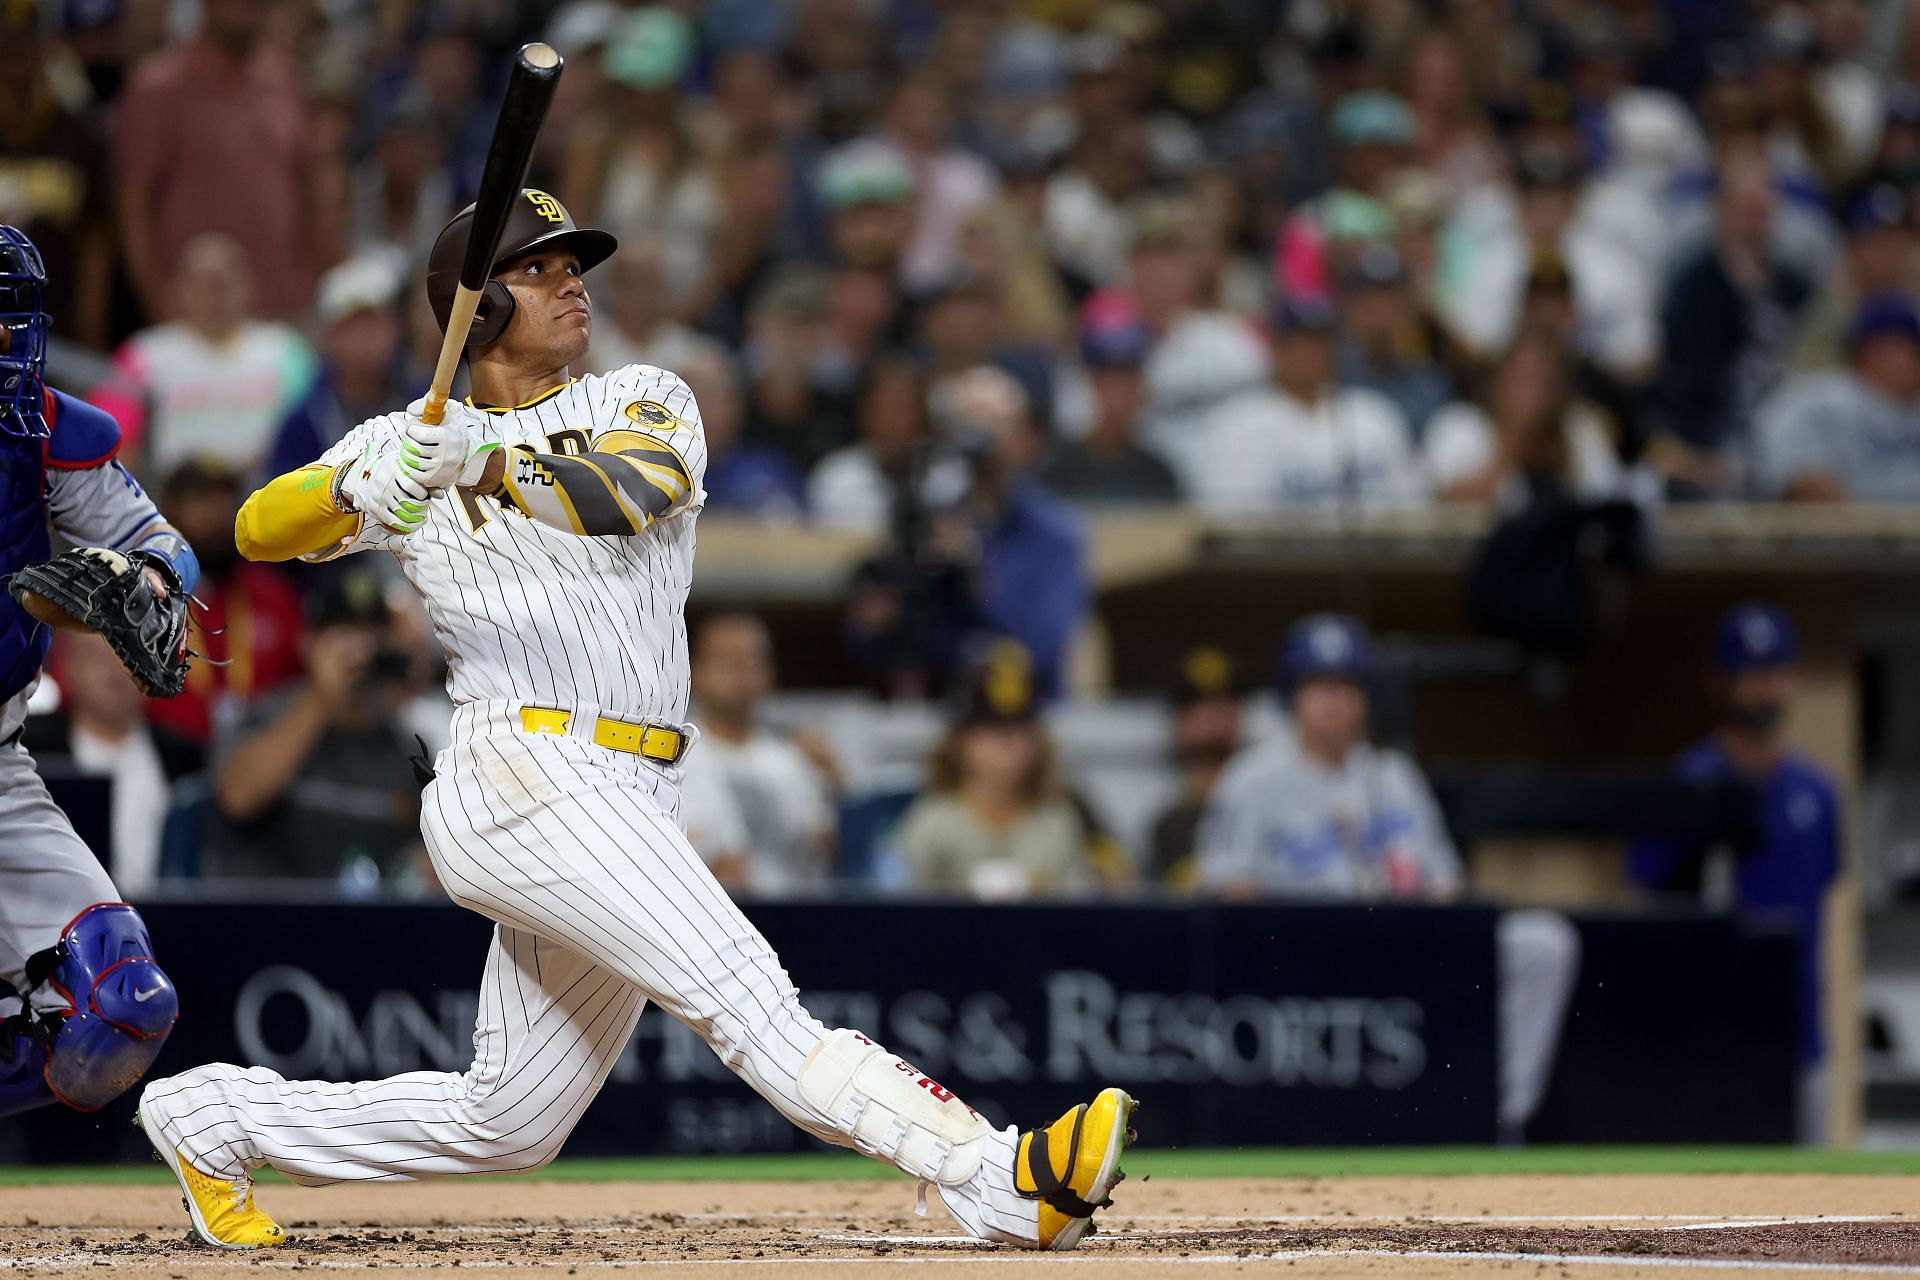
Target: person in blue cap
(1107, 466)
(1755, 658)
(1850, 434)
(1318, 811)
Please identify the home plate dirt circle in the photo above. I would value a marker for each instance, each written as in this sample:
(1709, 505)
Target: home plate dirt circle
(1606, 1227)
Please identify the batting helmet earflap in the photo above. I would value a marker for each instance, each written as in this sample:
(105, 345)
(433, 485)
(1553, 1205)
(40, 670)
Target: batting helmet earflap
(537, 221)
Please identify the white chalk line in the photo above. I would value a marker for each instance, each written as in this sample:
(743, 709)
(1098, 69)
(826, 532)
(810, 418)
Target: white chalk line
(993, 1256)
(950, 1249)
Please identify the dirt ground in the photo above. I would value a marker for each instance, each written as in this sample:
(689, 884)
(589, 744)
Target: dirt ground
(1609, 1227)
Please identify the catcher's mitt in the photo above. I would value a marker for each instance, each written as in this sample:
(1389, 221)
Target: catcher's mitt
(94, 589)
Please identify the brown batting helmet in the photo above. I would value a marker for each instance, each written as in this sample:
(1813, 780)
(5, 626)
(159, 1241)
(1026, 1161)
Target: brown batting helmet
(536, 222)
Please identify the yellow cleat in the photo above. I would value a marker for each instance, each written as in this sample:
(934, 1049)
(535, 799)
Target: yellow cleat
(223, 1212)
(1073, 1164)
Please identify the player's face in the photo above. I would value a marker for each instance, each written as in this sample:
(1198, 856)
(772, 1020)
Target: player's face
(552, 315)
(1331, 715)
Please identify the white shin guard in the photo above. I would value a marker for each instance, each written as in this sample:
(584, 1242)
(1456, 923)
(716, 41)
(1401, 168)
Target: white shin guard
(893, 1111)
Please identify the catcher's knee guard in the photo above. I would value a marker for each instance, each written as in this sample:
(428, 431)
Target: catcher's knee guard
(892, 1110)
(120, 1007)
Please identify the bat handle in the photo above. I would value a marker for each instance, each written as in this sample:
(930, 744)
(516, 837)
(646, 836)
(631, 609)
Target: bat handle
(436, 409)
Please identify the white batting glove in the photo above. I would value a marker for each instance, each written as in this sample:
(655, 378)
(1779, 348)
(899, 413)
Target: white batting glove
(382, 486)
(453, 451)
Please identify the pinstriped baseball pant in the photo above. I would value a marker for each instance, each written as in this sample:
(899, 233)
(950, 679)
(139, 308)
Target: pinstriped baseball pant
(600, 905)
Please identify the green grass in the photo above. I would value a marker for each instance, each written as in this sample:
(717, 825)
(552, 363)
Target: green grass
(1301, 1162)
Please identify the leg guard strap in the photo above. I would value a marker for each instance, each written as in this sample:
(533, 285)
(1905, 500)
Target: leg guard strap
(23, 1064)
(1037, 1162)
(893, 1111)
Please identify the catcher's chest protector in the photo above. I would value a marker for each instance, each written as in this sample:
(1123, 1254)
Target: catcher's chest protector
(24, 540)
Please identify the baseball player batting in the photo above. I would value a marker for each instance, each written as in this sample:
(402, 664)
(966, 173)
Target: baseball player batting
(548, 525)
(84, 1008)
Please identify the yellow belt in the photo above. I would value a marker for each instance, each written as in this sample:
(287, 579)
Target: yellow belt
(654, 741)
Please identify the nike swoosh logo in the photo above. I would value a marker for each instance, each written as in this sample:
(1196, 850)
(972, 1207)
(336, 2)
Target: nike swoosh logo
(141, 997)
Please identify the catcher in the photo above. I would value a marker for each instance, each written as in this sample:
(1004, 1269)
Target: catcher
(83, 1007)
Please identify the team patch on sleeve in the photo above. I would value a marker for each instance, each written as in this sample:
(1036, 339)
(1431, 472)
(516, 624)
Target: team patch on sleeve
(652, 415)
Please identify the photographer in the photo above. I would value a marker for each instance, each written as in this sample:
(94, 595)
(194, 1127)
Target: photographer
(981, 549)
(315, 783)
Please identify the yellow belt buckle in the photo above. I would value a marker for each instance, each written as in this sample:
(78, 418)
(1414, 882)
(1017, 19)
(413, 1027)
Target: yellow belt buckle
(661, 744)
(545, 719)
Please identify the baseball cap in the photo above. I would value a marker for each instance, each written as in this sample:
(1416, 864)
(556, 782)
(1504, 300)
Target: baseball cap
(1116, 346)
(865, 173)
(649, 48)
(361, 283)
(1754, 635)
(1000, 689)
(1304, 313)
(1882, 315)
(1324, 646)
(1370, 117)
(353, 597)
(1350, 215)
(1205, 672)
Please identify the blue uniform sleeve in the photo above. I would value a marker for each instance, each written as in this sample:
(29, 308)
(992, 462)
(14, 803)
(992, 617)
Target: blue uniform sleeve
(93, 501)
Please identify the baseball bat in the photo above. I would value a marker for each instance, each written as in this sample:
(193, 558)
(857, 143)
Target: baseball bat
(536, 71)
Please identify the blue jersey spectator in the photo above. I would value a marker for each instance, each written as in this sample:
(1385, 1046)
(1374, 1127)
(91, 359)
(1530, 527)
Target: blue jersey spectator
(1755, 655)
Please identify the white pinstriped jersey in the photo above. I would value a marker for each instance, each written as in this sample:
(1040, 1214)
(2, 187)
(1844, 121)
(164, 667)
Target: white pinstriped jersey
(531, 612)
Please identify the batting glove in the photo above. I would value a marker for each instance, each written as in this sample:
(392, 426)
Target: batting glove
(453, 451)
(382, 486)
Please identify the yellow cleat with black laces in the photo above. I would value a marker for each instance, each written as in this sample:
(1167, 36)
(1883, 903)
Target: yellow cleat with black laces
(223, 1213)
(1072, 1166)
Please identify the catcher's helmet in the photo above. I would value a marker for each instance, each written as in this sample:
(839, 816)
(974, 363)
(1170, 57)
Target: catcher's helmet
(536, 221)
(23, 282)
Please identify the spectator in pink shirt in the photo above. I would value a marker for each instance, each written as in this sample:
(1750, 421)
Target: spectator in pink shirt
(211, 135)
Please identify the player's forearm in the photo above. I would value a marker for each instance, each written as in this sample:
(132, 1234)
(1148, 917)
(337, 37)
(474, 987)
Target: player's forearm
(612, 490)
(293, 515)
(262, 766)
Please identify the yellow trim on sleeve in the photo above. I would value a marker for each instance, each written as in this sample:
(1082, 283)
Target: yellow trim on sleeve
(293, 515)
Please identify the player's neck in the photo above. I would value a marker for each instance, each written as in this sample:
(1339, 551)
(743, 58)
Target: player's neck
(498, 387)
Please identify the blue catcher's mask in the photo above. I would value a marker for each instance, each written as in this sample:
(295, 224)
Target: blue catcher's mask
(23, 281)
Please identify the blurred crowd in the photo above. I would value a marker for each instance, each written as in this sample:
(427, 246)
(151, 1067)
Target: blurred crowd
(1235, 253)
(959, 273)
